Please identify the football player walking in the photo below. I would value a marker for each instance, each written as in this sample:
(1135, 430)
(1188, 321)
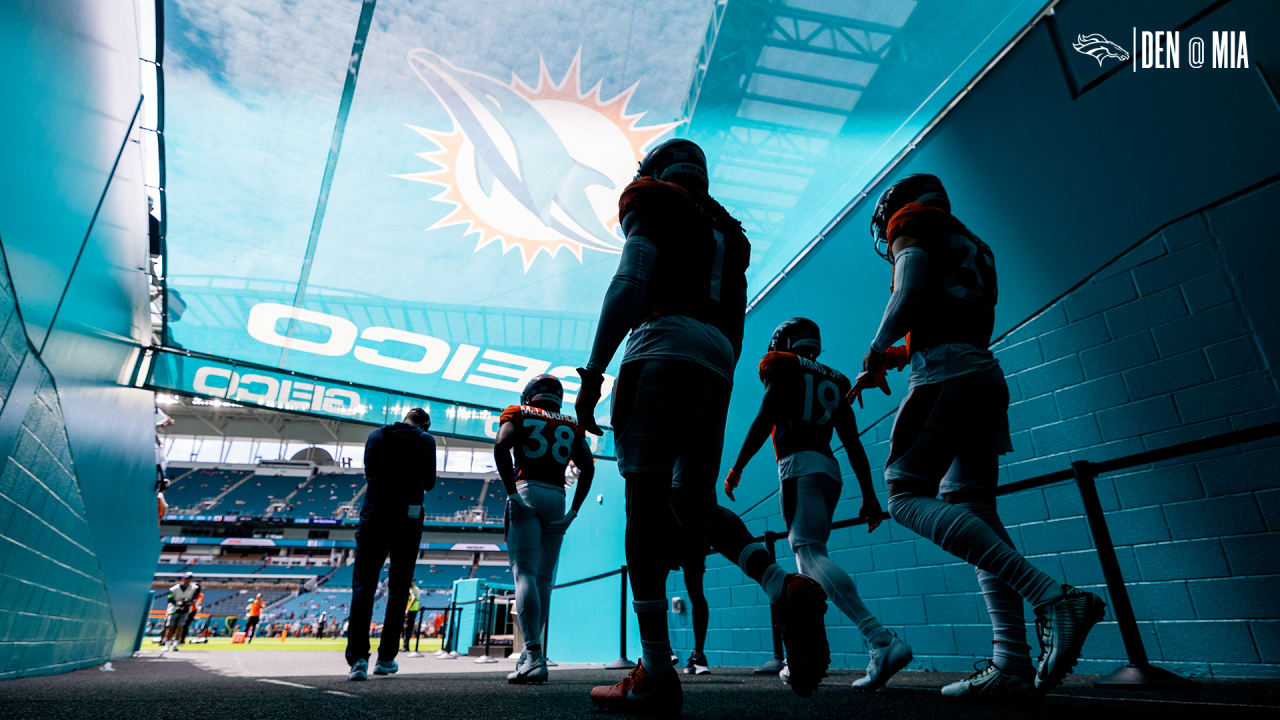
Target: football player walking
(952, 428)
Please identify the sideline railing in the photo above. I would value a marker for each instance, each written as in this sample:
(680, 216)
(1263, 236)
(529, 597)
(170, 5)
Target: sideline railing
(452, 622)
(1139, 672)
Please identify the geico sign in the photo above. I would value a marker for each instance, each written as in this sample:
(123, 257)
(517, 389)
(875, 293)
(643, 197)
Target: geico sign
(283, 393)
(494, 369)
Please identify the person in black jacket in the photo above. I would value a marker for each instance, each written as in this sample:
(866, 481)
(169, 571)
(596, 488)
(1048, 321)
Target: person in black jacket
(400, 464)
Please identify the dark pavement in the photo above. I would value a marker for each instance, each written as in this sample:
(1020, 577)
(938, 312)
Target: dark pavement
(166, 688)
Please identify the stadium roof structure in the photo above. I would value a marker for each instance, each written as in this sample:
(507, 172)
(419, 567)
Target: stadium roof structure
(421, 197)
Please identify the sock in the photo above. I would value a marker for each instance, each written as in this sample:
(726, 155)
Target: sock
(1008, 625)
(773, 582)
(1015, 660)
(961, 533)
(813, 561)
(655, 648)
(756, 562)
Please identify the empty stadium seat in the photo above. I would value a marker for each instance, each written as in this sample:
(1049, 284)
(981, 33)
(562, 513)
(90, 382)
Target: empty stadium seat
(198, 486)
(254, 495)
(323, 495)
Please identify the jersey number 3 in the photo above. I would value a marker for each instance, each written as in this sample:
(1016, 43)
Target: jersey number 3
(560, 445)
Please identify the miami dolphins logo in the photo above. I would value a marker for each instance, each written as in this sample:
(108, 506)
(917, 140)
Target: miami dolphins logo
(1099, 48)
(535, 168)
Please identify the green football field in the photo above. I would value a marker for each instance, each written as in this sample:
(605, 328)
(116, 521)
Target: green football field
(274, 643)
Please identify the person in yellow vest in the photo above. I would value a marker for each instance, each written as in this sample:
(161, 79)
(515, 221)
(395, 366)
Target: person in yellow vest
(411, 614)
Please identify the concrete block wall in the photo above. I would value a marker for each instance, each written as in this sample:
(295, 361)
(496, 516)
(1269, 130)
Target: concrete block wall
(1154, 349)
(54, 610)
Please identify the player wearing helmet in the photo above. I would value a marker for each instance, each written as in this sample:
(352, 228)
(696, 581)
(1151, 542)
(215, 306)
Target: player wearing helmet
(680, 292)
(952, 427)
(804, 401)
(543, 442)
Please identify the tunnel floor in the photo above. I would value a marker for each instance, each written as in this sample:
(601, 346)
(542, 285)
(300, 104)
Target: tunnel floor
(195, 684)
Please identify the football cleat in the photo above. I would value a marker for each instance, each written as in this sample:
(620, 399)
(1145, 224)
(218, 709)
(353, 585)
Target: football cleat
(658, 695)
(801, 610)
(885, 662)
(530, 669)
(359, 670)
(386, 667)
(988, 682)
(698, 665)
(1062, 627)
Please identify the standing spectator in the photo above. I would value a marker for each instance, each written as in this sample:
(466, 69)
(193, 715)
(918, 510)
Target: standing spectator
(411, 614)
(253, 615)
(400, 463)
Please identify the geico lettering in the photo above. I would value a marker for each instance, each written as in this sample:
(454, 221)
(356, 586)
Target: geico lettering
(341, 402)
(271, 389)
(512, 379)
(434, 350)
(204, 375)
(264, 320)
(496, 369)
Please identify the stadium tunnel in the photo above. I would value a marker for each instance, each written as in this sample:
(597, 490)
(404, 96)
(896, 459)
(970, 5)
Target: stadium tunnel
(337, 235)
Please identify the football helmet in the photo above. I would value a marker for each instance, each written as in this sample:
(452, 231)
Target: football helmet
(678, 160)
(799, 336)
(922, 188)
(543, 389)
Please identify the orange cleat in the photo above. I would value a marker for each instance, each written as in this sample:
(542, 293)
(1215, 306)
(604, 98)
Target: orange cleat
(802, 610)
(642, 694)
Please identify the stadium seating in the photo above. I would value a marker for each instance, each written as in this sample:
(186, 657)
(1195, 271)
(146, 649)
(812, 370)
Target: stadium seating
(298, 571)
(198, 486)
(254, 495)
(440, 576)
(334, 603)
(209, 569)
(323, 496)
(452, 495)
(495, 501)
(170, 567)
(495, 574)
(234, 601)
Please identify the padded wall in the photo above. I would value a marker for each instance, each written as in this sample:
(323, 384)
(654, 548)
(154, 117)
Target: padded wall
(78, 523)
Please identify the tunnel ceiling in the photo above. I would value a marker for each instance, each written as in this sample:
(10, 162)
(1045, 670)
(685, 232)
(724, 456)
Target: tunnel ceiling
(433, 185)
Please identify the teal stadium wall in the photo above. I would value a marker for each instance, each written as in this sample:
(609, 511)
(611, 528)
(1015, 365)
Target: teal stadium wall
(78, 534)
(1132, 231)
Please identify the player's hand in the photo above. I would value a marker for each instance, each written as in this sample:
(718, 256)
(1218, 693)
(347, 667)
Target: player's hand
(588, 398)
(865, 380)
(517, 501)
(871, 513)
(561, 525)
(731, 481)
(896, 357)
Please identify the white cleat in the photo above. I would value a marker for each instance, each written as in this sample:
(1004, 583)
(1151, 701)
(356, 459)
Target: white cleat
(988, 683)
(529, 670)
(885, 662)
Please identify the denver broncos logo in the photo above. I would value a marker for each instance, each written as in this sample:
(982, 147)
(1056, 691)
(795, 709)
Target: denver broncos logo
(1099, 48)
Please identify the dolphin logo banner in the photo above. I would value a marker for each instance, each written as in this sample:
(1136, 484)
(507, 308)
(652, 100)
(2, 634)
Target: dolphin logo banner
(535, 168)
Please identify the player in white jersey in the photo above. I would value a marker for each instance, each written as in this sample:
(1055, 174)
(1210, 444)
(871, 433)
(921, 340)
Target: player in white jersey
(182, 597)
(952, 428)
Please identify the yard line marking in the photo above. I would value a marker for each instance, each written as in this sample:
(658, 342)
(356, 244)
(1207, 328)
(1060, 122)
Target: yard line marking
(339, 692)
(286, 682)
